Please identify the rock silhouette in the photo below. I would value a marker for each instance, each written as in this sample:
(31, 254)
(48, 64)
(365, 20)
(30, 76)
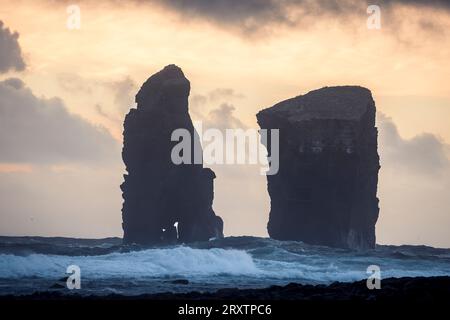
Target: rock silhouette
(164, 202)
(325, 190)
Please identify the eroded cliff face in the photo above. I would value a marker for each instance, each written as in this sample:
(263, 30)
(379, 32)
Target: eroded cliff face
(158, 194)
(325, 190)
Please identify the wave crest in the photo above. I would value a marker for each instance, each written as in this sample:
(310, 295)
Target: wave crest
(178, 261)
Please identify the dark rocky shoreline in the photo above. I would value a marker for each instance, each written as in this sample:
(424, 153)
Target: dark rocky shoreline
(417, 289)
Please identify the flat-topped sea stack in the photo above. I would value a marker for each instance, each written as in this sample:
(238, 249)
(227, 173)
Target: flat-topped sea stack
(159, 194)
(325, 191)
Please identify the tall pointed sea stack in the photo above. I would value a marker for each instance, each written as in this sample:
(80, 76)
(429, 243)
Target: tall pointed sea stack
(157, 193)
(326, 186)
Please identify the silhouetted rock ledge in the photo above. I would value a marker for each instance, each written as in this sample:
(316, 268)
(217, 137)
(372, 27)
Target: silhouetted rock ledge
(419, 289)
(325, 190)
(158, 194)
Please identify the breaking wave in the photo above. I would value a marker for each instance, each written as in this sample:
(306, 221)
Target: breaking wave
(178, 261)
(246, 262)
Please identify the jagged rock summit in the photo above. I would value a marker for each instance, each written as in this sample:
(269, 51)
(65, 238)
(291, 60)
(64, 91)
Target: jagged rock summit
(164, 202)
(325, 191)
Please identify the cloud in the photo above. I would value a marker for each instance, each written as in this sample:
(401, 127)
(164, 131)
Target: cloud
(223, 118)
(117, 95)
(423, 154)
(253, 16)
(10, 52)
(59, 174)
(42, 131)
(222, 115)
(224, 93)
(72, 82)
(437, 4)
(124, 92)
(413, 188)
(100, 111)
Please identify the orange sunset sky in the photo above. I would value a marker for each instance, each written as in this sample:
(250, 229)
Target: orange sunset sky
(64, 93)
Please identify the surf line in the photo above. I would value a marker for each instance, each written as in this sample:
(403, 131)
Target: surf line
(197, 310)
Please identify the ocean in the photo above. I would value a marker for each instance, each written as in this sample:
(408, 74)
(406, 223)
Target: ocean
(36, 264)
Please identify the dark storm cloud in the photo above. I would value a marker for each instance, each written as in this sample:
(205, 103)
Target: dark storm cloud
(437, 4)
(254, 15)
(10, 52)
(422, 154)
(42, 131)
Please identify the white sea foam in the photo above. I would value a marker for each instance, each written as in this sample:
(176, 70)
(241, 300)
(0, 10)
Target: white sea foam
(212, 264)
(181, 261)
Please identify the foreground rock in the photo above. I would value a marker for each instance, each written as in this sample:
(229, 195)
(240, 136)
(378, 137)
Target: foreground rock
(158, 194)
(325, 190)
(410, 290)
